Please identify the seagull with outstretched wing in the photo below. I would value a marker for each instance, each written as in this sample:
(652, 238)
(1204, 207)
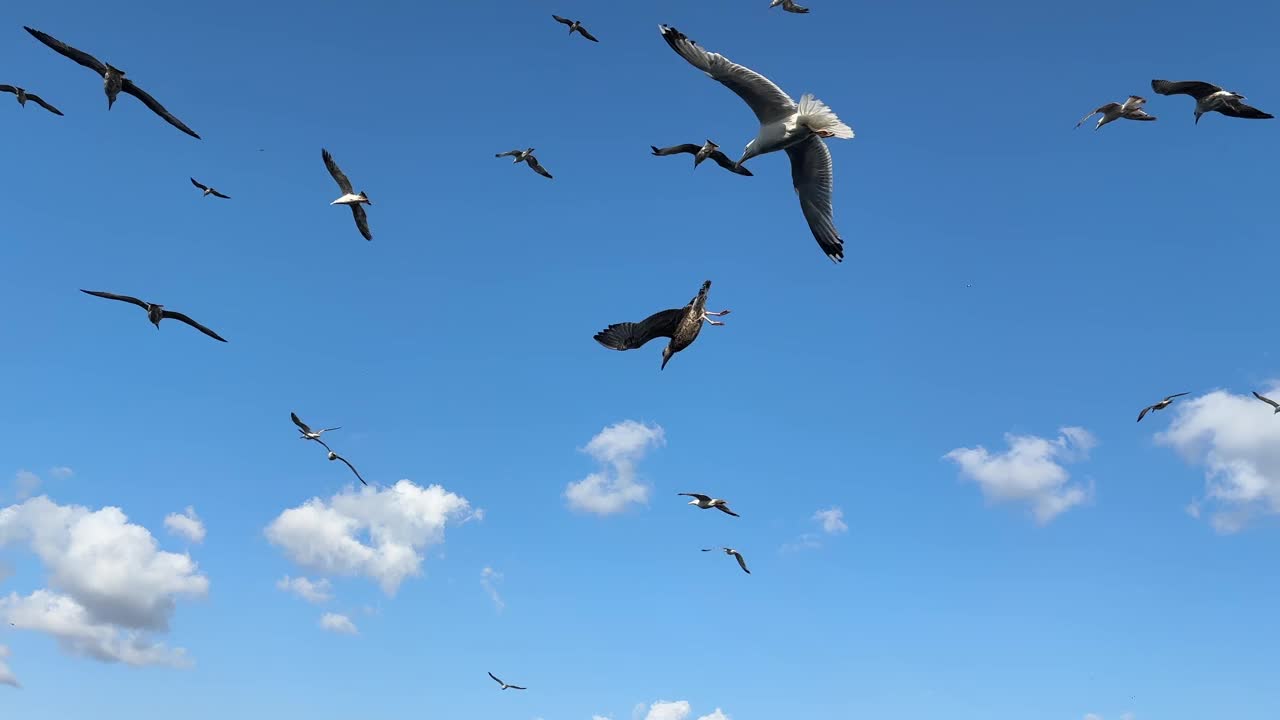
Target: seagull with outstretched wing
(575, 26)
(208, 190)
(504, 685)
(706, 502)
(23, 96)
(156, 312)
(1166, 402)
(1211, 98)
(707, 151)
(1130, 109)
(1268, 401)
(735, 553)
(308, 433)
(350, 197)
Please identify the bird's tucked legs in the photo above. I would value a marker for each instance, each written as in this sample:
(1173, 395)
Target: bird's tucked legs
(717, 314)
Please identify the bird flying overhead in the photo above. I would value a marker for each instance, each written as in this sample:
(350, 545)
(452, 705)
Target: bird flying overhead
(1268, 401)
(706, 501)
(1166, 402)
(209, 191)
(789, 6)
(784, 125)
(707, 151)
(575, 26)
(1211, 98)
(335, 456)
(735, 553)
(113, 80)
(682, 325)
(504, 685)
(350, 197)
(24, 96)
(156, 312)
(308, 433)
(1130, 109)
(525, 156)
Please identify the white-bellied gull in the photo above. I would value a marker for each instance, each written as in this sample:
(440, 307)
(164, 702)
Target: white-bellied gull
(525, 156)
(575, 26)
(708, 150)
(350, 197)
(735, 553)
(1130, 109)
(1166, 402)
(308, 433)
(208, 190)
(1211, 98)
(504, 685)
(706, 502)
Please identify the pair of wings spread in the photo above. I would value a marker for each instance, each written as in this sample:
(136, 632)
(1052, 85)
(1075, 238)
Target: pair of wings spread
(357, 210)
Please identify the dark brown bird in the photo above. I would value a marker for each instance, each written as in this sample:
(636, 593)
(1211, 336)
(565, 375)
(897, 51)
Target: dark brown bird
(156, 312)
(575, 26)
(709, 150)
(209, 191)
(24, 96)
(682, 325)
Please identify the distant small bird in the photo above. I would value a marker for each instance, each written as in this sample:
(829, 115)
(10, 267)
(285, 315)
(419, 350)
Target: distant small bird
(706, 502)
(335, 456)
(504, 685)
(789, 6)
(1130, 109)
(24, 96)
(682, 325)
(1160, 405)
(308, 433)
(1268, 401)
(575, 25)
(156, 312)
(350, 197)
(1211, 98)
(703, 152)
(525, 156)
(113, 80)
(209, 191)
(736, 554)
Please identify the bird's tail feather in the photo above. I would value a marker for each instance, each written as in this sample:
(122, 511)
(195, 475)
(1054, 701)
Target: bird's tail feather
(815, 114)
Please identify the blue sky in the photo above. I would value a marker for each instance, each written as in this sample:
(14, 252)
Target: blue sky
(1013, 293)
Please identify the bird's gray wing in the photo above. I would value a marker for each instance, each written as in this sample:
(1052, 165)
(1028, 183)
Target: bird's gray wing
(742, 562)
(197, 184)
(1170, 397)
(723, 161)
(1237, 109)
(325, 430)
(66, 50)
(1194, 88)
(509, 153)
(298, 421)
(516, 687)
(353, 467)
(766, 99)
(40, 101)
(812, 176)
(322, 443)
(629, 336)
(183, 318)
(113, 296)
(156, 107)
(533, 165)
(563, 21)
(362, 220)
(1103, 109)
(1144, 412)
(792, 7)
(1133, 102)
(1139, 115)
(700, 496)
(215, 193)
(495, 677)
(676, 149)
(343, 183)
(587, 35)
(9, 89)
(725, 509)
(1266, 400)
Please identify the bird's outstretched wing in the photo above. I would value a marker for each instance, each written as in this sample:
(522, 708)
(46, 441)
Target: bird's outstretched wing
(516, 687)
(362, 220)
(9, 89)
(725, 509)
(723, 161)
(629, 336)
(741, 562)
(509, 153)
(765, 99)
(353, 467)
(197, 184)
(113, 296)
(298, 421)
(495, 677)
(183, 318)
(1103, 109)
(1139, 115)
(338, 176)
(1194, 88)
(813, 178)
(1234, 109)
(563, 21)
(699, 496)
(676, 149)
(790, 6)
(215, 193)
(586, 34)
(156, 107)
(1177, 395)
(1266, 399)
(1144, 412)
(40, 101)
(66, 50)
(533, 165)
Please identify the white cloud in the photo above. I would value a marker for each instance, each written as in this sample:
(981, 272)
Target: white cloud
(378, 533)
(663, 710)
(489, 578)
(317, 591)
(186, 525)
(78, 632)
(832, 520)
(1233, 438)
(1030, 471)
(1092, 716)
(717, 715)
(615, 487)
(6, 675)
(333, 622)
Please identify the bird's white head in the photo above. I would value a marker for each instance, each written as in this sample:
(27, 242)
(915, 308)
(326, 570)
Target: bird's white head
(749, 152)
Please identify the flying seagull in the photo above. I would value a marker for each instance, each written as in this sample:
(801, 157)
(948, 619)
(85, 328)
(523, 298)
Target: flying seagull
(789, 6)
(335, 456)
(1268, 401)
(308, 433)
(156, 312)
(113, 79)
(1166, 402)
(209, 191)
(24, 96)
(1210, 98)
(525, 156)
(682, 325)
(575, 25)
(702, 152)
(504, 685)
(784, 125)
(735, 553)
(706, 501)
(1130, 109)
(350, 198)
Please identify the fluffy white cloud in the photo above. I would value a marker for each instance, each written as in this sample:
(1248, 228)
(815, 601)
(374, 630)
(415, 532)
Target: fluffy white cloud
(717, 715)
(489, 578)
(333, 622)
(317, 591)
(832, 520)
(6, 675)
(1092, 716)
(380, 533)
(663, 710)
(80, 633)
(186, 525)
(615, 487)
(1233, 438)
(1030, 471)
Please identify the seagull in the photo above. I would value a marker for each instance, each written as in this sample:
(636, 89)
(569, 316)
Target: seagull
(735, 553)
(784, 125)
(156, 312)
(24, 96)
(706, 501)
(350, 198)
(308, 433)
(209, 191)
(703, 152)
(113, 79)
(1268, 401)
(1166, 402)
(682, 325)
(504, 685)
(1210, 98)
(525, 156)
(575, 25)
(789, 6)
(1130, 109)
(335, 456)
